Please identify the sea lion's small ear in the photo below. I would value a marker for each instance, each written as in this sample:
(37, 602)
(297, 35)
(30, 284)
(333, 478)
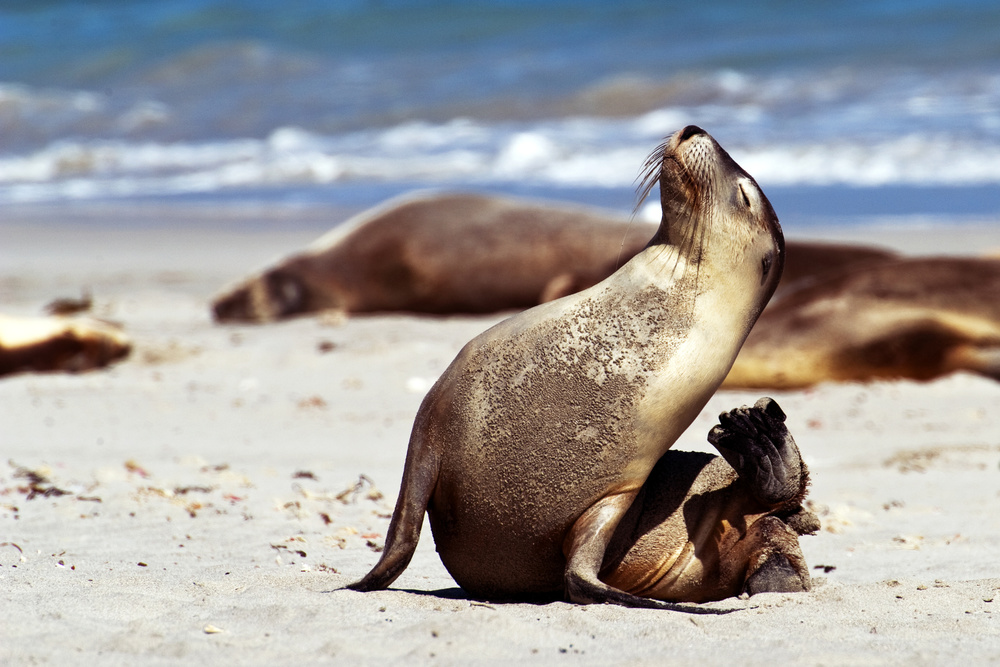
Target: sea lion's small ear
(770, 408)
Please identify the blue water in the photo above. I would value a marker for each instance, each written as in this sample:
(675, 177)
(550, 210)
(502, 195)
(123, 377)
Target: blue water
(837, 108)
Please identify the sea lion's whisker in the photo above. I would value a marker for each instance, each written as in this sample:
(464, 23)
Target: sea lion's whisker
(649, 174)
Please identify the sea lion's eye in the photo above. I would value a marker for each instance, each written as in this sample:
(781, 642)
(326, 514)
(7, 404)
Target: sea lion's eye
(765, 264)
(743, 193)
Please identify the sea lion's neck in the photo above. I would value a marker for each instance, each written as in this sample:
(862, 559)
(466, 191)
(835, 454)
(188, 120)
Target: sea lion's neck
(718, 276)
(692, 235)
(703, 245)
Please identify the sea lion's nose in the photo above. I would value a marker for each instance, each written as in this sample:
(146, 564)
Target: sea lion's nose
(690, 131)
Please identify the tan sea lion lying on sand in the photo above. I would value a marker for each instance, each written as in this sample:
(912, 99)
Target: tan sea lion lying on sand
(440, 254)
(468, 253)
(532, 446)
(71, 344)
(917, 318)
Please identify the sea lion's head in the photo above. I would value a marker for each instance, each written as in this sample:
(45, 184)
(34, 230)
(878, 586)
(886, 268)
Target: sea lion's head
(274, 295)
(711, 206)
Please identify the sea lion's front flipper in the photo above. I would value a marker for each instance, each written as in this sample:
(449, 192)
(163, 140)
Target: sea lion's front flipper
(584, 548)
(759, 447)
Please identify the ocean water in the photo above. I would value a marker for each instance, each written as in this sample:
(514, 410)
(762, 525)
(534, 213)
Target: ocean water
(839, 109)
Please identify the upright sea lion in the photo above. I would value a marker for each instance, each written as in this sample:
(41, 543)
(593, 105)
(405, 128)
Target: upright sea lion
(467, 253)
(917, 318)
(69, 344)
(530, 448)
(453, 253)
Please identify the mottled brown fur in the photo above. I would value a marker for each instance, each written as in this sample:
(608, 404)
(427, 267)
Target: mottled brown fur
(705, 527)
(579, 427)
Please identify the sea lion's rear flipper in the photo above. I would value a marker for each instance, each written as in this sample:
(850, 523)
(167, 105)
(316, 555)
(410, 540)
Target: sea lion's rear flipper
(584, 547)
(419, 479)
(759, 447)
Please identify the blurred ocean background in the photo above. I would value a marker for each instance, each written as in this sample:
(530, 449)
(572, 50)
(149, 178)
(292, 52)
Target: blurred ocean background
(843, 111)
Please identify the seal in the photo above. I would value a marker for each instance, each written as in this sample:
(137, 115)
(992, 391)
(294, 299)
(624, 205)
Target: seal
(532, 445)
(57, 343)
(913, 318)
(706, 527)
(440, 254)
(451, 253)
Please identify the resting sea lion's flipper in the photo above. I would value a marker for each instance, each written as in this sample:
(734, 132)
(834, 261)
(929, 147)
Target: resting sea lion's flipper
(759, 447)
(419, 479)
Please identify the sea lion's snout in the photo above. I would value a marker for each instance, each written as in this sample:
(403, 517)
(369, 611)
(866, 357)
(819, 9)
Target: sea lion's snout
(232, 307)
(704, 192)
(274, 295)
(688, 132)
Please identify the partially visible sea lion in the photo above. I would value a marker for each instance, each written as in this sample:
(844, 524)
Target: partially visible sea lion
(37, 344)
(705, 527)
(468, 253)
(453, 253)
(917, 318)
(809, 262)
(531, 447)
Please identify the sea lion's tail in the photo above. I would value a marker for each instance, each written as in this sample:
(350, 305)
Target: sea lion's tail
(419, 479)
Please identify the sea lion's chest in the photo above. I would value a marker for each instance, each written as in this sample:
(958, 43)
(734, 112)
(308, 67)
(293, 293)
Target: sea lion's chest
(567, 388)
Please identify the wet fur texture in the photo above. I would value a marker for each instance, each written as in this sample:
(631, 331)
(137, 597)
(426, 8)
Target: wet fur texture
(701, 529)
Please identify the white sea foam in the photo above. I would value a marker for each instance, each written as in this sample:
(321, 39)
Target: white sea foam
(25, 100)
(910, 160)
(574, 152)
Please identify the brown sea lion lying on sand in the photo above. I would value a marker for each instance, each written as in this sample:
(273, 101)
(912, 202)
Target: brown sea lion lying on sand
(468, 253)
(917, 318)
(441, 254)
(70, 344)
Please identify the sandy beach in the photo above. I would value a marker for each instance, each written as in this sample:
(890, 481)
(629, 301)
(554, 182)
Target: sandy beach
(204, 500)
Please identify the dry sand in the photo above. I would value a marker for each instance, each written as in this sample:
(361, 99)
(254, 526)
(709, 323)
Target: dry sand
(202, 501)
